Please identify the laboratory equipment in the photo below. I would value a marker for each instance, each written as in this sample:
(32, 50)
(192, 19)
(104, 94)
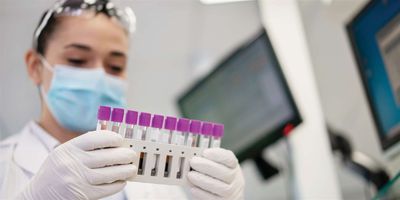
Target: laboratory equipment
(374, 34)
(217, 133)
(165, 145)
(131, 118)
(144, 123)
(205, 135)
(117, 116)
(103, 116)
(248, 93)
(194, 131)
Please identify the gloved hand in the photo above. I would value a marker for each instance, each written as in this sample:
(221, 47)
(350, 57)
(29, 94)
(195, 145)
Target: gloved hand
(91, 166)
(217, 175)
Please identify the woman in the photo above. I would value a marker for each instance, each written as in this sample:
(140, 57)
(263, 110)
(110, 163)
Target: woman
(78, 62)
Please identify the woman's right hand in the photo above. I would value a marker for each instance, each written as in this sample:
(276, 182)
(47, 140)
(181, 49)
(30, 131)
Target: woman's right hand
(91, 166)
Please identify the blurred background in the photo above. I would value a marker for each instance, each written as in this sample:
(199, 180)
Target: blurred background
(178, 42)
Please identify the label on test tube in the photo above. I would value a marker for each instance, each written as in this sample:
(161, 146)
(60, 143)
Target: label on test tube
(117, 116)
(131, 119)
(194, 132)
(218, 132)
(103, 116)
(206, 132)
(144, 123)
(154, 132)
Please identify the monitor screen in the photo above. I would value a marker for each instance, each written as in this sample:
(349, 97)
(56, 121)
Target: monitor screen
(375, 37)
(248, 93)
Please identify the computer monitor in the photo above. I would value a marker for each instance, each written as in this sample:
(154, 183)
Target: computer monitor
(375, 37)
(248, 93)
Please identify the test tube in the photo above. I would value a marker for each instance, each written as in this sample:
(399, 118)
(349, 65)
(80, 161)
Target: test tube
(144, 123)
(169, 128)
(218, 132)
(194, 131)
(103, 116)
(153, 133)
(117, 116)
(140, 134)
(178, 136)
(183, 129)
(166, 137)
(206, 132)
(183, 132)
(131, 119)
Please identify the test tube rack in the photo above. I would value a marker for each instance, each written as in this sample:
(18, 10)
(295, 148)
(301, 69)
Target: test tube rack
(172, 166)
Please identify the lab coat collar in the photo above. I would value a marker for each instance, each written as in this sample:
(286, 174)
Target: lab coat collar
(33, 147)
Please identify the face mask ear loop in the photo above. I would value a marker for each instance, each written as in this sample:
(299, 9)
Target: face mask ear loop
(45, 63)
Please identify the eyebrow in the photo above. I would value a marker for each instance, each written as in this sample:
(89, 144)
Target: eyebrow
(87, 48)
(118, 54)
(79, 46)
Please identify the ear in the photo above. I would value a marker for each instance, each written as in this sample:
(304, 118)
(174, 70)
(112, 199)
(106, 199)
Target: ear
(33, 66)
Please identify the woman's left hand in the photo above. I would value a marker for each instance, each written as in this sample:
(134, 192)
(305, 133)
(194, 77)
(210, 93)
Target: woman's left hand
(216, 175)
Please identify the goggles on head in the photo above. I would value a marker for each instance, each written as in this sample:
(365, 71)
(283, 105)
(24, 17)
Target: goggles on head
(89, 8)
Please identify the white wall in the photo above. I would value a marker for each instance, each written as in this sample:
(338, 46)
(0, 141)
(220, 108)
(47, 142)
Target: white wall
(314, 171)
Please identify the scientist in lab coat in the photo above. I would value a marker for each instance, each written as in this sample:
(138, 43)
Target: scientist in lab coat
(78, 62)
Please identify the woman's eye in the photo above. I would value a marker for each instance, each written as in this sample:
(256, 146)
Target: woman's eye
(116, 69)
(77, 62)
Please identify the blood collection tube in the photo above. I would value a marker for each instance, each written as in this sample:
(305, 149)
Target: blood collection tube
(140, 134)
(206, 132)
(117, 115)
(103, 116)
(131, 118)
(184, 138)
(144, 123)
(194, 131)
(166, 137)
(153, 132)
(178, 136)
(218, 132)
(169, 128)
(183, 130)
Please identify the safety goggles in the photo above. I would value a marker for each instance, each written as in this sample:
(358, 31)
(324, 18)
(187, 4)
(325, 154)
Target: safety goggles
(89, 9)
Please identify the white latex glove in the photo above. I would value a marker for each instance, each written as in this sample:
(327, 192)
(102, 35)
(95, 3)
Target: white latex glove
(91, 166)
(217, 175)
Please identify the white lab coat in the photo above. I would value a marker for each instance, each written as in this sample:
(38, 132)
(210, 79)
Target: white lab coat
(22, 155)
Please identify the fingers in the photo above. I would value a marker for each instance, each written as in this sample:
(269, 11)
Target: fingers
(210, 184)
(108, 189)
(199, 194)
(97, 139)
(212, 169)
(107, 157)
(110, 174)
(221, 156)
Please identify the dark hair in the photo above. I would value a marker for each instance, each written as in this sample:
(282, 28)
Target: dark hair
(46, 33)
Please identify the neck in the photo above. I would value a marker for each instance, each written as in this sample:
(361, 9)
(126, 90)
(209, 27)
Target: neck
(51, 126)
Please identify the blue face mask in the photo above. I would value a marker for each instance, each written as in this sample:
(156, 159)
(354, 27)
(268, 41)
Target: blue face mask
(76, 93)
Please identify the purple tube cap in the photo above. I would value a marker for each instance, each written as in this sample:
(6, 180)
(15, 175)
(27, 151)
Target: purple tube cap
(104, 113)
(117, 115)
(218, 130)
(144, 119)
(170, 123)
(157, 121)
(207, 128)
(195, 126)
(183, 125)
(131, 117)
